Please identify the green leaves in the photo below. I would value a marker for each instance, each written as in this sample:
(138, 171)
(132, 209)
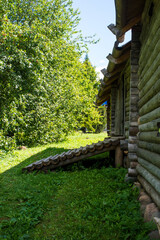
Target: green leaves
(46, 91)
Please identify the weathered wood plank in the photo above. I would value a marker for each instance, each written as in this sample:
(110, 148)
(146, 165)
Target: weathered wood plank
(118, 157)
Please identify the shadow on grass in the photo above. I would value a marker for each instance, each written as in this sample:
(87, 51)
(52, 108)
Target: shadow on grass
(38, 156)
(97, 161)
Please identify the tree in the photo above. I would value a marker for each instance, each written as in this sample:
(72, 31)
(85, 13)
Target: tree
(45, 89)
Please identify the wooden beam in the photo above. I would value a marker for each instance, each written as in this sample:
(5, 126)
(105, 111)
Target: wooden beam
(114, 30)
(127, 27)
(118, 157)
(124, 57)
(130, 24)
(117, 69)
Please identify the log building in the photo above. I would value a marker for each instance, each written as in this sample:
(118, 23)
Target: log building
(131, 85)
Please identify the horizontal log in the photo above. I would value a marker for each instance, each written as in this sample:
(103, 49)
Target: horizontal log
(151, 93)
(155, 182)
(132, 157)
(151, 66)
(133, 131)
(153, 147)
(134, 91)
(134, 69)
(149, 126)
(133, 165)
(132, 172)
(135, 49)
(134, 60)
(149, 137)
(132, 148)
(148, 50)
(124, 144)
(134, 99)
(134, 82)
(150, 167)
(153, 115)
(133, 122)
(150, 190)
(134, 116)
(151, 56)
(152, 104)
(132, 139)
(146, 84)
(152, 157)
(133, 107)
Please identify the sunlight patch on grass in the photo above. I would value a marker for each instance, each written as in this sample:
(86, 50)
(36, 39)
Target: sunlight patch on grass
(75, 141)
(77, 203)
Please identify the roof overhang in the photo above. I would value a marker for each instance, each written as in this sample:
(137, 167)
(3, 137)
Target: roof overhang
(128, 13)
(117, 61)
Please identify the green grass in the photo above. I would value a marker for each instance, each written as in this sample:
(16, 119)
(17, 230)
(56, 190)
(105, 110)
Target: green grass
(78, 203)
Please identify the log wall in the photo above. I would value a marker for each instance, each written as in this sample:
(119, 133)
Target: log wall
(133, 103)
(113, 108)
(108, 110)
(119, 108)
(149, 103)
(120, 101)
(127, 98)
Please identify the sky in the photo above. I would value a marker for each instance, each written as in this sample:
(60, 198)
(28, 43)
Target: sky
(95, 17)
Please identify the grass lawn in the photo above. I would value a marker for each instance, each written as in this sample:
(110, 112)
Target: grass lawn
(74, 203)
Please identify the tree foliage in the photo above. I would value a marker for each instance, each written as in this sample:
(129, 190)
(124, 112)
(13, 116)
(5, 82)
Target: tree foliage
(46, 91)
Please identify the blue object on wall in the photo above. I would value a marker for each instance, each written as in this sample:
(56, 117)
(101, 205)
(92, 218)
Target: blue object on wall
(105, 103)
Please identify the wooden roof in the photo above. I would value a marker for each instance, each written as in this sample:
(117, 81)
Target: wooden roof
(117, 61)
(128, 13)
(74, 155)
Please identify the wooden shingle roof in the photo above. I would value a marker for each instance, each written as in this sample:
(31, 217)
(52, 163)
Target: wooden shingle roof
(74, 155)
